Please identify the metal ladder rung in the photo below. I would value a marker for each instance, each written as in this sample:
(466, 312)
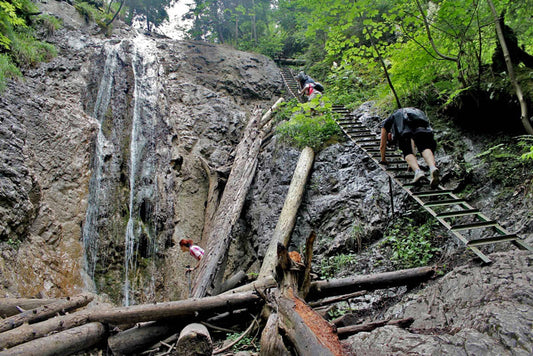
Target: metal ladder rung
(445, 202)
(475, 225)
(457, 213)
(491, 240)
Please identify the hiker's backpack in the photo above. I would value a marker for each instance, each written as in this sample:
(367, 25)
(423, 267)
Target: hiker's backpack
(415, 118)
(319, 87)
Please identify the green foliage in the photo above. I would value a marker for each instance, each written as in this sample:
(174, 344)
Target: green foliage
(507, 163)
(331, 266)
(7, 70)
(312, 124)
(18, 45)
(245, 344)
(49, 23)
(411, 244)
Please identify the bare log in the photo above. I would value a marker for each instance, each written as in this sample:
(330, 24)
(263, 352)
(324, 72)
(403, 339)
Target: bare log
(308, 332)
(271, 340)
(354, 329)
(28, 332)
(230, 206)
(287, 217)
(194, 340)
(141, 337)
(45, 311)
(323, 289)
(194, 309)
(14, 306)
(63, 343)
(260, 284)
(337, 299)
(232, 282)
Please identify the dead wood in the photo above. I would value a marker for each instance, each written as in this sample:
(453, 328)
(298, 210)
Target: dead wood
(188, 309)
(63, 343)
(232, 282)
(45, 311)
(28, 332)
(259, 285)
(354, 329)
(141, 337)
(287, 217)
(305, 283)
(14, 306)
(194, 340)
(337, 299)
(327, 288)
(271, 340)
(231, 203)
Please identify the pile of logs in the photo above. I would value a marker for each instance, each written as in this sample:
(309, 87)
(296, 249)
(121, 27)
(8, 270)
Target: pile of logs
(67, 326)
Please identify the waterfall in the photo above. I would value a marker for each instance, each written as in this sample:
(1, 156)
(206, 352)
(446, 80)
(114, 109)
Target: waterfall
(96, 193)
(142, 157)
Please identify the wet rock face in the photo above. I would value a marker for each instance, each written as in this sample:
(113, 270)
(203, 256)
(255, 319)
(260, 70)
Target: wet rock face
(168, 106)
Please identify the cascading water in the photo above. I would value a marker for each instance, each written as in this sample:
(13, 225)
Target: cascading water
(96, 193)
(142, 156)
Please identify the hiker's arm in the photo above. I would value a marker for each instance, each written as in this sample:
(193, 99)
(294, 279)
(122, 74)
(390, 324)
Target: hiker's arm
(383, 145)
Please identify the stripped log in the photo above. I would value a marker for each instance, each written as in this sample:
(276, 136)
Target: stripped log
(140, 337)
(287, 218)
(195, 309)
(45, 311)
(354, 329)
(328, 288)
(230, 206)
(271, 340)
(337, 299)
(260, 284)
(28, 332)
(194, 340)
(14, 306)
(63, 343)
(232, 282)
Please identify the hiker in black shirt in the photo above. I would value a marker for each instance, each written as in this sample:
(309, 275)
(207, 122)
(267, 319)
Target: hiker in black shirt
(405, 126)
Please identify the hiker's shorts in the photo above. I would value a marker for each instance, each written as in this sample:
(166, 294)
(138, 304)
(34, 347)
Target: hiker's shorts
(423, 141)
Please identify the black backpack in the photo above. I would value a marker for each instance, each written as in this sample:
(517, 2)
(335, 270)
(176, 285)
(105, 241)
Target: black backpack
(415, 118)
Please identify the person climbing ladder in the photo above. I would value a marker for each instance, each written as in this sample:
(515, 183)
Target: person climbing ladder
(405, 126)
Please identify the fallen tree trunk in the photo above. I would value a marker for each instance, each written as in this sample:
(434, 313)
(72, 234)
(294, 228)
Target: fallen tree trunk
(14, 306)
(194, 309)
(260, 284)
(328, 288)
(194, 340)
(230, 206)
(271, 340)
(141, 337)
(287, 217)
(232, 282)
(63, 343)
(354, 329)
(28, 332)
(45, 312)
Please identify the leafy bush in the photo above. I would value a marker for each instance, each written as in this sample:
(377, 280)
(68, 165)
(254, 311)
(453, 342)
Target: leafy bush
(411, 244)
(312, 124)
(7, 70)
(28, 51)
(331, 266)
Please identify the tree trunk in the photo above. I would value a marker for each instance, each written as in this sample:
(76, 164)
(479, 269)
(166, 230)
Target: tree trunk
(271, 340)
(63, 343)
(260, 284)
(139, 338)
(510, 70)
(194, 340)
(231, 203)
(45, 312)
(354, 329)
(328, 288)
(28, 332)
(232, 282)
(287, 218)
(14, 306)
(188, 309)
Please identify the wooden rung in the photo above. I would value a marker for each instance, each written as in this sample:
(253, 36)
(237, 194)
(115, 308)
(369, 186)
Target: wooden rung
(492, 240)
(452, 214)
(432, 193)
(445, 202)
(474, 225)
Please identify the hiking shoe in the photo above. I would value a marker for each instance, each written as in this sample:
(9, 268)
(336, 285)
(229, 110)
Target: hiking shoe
(418, 175)
(435, 178)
